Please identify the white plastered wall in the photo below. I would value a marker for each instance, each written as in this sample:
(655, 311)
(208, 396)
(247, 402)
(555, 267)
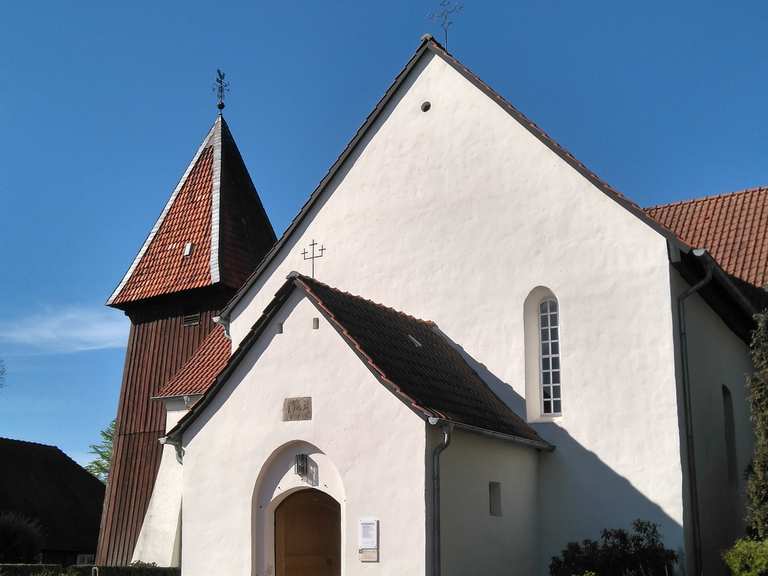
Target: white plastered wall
(455, 215)
(717, 358)
(372, 439)
(159, 541)
(473, 541)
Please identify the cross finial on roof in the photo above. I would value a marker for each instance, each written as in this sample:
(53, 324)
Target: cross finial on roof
(221, 87)
(443, 14)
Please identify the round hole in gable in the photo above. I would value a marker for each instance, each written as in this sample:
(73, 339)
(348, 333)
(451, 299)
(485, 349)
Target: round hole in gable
(426, 105)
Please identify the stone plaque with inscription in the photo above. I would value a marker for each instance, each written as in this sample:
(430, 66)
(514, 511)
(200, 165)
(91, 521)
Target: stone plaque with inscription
(297, 409)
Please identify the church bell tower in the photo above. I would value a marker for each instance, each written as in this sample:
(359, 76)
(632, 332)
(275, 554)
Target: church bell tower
(210, 236)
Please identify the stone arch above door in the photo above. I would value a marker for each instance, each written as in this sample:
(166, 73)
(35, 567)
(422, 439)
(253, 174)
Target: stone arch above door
(276, 481)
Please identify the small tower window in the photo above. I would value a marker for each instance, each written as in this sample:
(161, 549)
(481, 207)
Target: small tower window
(549, 329)
(191, 319)
(188, 247)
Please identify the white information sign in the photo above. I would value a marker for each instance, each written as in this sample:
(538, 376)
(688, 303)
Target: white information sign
(368, 539)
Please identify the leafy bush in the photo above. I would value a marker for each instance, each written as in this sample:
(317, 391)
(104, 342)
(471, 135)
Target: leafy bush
(617, 553)
(30, 570)
(757, 484)
(748, 558)
(138, 569)
(20, 538)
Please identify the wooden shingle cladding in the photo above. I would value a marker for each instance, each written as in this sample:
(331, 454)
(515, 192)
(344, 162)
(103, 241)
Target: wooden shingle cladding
(159, 344)
(210, 236)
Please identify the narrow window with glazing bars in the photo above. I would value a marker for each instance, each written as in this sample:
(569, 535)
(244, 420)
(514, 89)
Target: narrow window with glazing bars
(549, 328)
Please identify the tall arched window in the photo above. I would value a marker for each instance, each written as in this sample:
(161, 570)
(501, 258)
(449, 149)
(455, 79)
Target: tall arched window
(543, 381)
(549, 357)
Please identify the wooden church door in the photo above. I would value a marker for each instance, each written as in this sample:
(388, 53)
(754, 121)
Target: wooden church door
(308, 535)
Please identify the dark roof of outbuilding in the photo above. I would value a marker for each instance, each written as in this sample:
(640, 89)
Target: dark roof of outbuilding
(44, 484)
(411, 357)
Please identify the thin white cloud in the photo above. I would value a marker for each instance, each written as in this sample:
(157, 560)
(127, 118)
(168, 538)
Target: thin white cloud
(65, 330)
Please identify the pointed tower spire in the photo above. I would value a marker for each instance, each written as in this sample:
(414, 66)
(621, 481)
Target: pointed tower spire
(209, 237)
(212, 230)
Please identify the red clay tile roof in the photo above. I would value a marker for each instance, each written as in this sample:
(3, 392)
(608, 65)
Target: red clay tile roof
(732, 227)
(216, 208)
(200, 372)
(411, 357)
(163, 268)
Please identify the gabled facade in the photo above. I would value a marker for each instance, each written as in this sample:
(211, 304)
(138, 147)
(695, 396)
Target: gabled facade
(618, 340)
(475, 216)
(384, 390)
(209, 237)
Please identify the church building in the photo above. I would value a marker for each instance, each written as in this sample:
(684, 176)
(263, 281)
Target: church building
(530, 358)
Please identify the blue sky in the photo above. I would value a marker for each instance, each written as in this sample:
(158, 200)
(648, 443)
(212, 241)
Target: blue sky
(103, 104)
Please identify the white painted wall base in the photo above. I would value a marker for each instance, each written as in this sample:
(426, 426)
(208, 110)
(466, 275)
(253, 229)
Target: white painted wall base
(160, 538)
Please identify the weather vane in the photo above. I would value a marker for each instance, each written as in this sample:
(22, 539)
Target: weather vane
(313, 256)
(443, 16)
(220, 88)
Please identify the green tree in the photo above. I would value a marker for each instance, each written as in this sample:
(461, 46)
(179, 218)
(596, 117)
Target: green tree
(757, 484)
(102, 451)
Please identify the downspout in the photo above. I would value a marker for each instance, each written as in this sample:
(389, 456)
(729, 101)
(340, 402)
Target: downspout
(176, 443)
(224, 322)
(446, 429)
(688, 411)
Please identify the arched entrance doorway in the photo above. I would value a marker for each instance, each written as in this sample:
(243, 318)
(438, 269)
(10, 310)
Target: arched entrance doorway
(308, 535)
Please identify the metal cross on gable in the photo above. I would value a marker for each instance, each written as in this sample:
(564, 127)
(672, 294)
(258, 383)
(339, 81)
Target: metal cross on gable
(312, 256)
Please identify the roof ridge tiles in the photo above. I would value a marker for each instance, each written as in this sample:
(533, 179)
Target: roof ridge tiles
(701, 199)
(428, 323)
